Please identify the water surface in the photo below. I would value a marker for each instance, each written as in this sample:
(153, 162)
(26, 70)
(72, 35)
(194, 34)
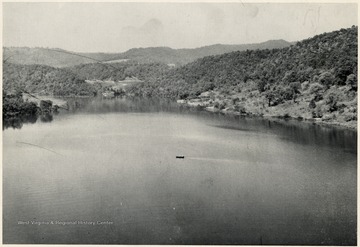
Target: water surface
(242, 181)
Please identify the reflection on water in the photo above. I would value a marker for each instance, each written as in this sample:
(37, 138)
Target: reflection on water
(122, 104)
(46, 117)
(242, 181)
(301, 132)
(292, 130)
(18, 122)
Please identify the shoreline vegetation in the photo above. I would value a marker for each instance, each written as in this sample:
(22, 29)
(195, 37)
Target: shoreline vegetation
(314, 80)
(272, 116)
(27, 109)
(20, 108)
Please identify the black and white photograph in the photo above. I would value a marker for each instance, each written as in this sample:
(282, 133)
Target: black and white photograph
(179, 123)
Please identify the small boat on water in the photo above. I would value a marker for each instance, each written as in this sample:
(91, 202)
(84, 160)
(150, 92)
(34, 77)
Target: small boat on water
(180, 156)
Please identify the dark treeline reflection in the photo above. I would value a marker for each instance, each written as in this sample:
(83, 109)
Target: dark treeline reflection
(312, 134)
(123, 104)
(18, 122)
(301, 132)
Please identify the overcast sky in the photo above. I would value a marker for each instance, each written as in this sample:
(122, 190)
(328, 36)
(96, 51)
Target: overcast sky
(116, 27)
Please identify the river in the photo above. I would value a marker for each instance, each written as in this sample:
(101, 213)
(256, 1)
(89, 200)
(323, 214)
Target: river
(106, 172)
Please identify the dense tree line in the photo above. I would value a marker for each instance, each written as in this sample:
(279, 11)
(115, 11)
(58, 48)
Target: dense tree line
(118, 71)
(14, 106)
(45, 80)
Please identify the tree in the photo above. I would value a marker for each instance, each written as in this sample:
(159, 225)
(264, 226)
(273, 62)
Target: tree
(312, 104)
(261, 84)
(351, 81)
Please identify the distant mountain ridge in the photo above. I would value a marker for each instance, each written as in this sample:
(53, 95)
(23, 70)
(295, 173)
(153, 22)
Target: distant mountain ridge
(166, 55)
(183, 56)
(51, 57)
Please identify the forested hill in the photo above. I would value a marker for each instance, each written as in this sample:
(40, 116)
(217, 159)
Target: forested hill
(44, 80)
(183, 56)
(51, 57)
(62, 58)
(316, 77)
(118, 71)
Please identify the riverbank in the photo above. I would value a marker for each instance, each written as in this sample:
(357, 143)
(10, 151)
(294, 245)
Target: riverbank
(38, 98)
(249, 107)
(20, 108)
(232, 104)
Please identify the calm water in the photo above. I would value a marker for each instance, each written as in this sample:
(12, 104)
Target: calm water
(243, 180)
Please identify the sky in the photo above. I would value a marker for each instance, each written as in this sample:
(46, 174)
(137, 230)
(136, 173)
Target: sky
(117, 27)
